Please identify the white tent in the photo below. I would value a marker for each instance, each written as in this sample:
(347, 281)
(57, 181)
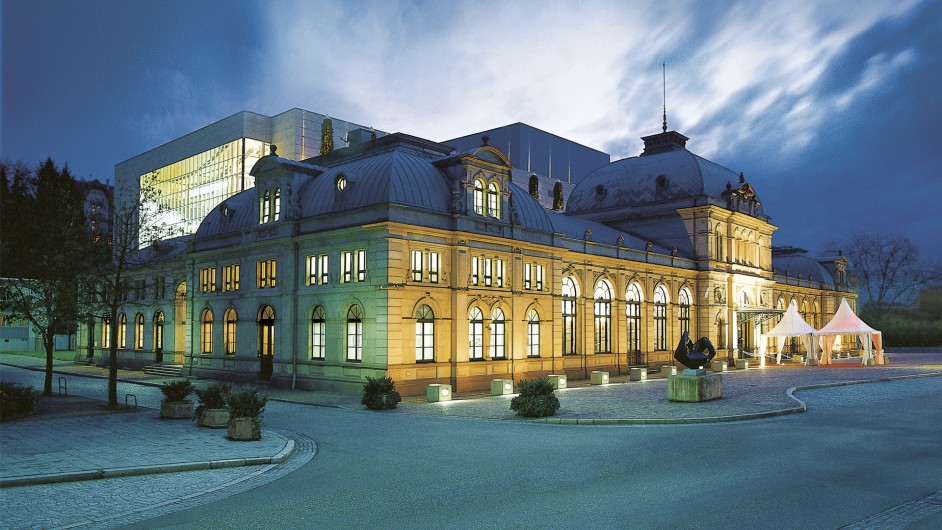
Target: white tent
(845, 322)
(792, 325)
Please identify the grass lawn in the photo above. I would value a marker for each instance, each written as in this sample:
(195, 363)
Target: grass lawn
(58, 355)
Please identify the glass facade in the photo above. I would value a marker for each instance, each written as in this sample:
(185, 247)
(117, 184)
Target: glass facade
(187, 190)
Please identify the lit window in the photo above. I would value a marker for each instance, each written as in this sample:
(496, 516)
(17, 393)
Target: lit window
(497, 335)
(660, 318)
(424, 334)
(206, 331)
(322, 268)
(416, 265)
(499, 272)
(533, 333)
(341, 183)
(265, 208)
(139, 332)
(633, 311)
(230, 277)
(316, 270)
(527, 277)
(229, 320)
(603, 317)
(265, 273)
(158, 331)
(476, 334)
(361, 265)
(488, 272)
(493, 200)
(276, 200)
(354, 334)
(208, 280)
(479, 197)
(539, 277)
(346, 264)
(475, 271)
(569, 315)
(318, 334)
(122, 331)
(105, 331)
(434, 266)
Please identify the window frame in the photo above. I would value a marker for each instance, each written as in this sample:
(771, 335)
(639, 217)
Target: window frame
(318, 334)
(424, 334)
(354, 334)
(475, 335)
(206, 332)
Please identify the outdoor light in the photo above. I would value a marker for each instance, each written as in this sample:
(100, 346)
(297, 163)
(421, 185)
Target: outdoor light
(438, 392)
(444, 391)
(508, 387)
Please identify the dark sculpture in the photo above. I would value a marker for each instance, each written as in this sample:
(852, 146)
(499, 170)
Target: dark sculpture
(690, 354)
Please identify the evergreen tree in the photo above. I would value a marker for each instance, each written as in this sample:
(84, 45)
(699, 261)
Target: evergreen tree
(327, 136)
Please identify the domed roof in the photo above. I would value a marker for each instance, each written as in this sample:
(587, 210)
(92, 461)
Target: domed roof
(676, 174)
(795, 262)
(396, 176)
(231, 215)
(530, 214)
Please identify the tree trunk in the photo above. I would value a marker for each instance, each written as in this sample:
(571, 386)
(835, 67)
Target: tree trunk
(48, 343)
(113, 361)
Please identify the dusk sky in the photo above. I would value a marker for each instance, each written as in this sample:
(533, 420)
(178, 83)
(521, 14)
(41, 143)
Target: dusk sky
(831, 109)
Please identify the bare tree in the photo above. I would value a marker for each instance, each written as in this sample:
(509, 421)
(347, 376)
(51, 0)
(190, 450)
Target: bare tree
(887, 269)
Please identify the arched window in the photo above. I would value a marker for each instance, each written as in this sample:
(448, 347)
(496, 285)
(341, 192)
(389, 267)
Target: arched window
(264, 208)
(206, 331)
(493, 200)
(683, 300)
(533, 333)
(105, 331)
(570, 292)
(476, 334)
(479, 196)
(122, 331)
(497, 335)
(660, 317)
(276, 205)
(229, 320)
(158, 331)
(318, 333)
(633, 301)
(603, 317)
(139, 332)
(355, 334)
(424, 334)
(720, 244)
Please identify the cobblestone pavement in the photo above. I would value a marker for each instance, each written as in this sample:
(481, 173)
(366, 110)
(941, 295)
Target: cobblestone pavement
(109, 503)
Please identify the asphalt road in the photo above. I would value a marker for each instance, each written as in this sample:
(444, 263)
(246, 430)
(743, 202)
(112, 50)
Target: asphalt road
(859, 451)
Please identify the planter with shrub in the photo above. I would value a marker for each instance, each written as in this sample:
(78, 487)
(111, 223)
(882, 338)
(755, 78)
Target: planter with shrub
(379, 393)
(176, 406)
(536, 398)
(211, 411)
(17, 401)
(245, 414)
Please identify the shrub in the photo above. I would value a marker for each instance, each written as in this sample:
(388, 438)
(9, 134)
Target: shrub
(214, 397)
(16, 400)
(380, 393)
(536, 398)
(246, 403)
(177, 390)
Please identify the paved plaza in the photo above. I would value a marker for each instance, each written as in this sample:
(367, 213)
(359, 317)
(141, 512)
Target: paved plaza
(74, 440)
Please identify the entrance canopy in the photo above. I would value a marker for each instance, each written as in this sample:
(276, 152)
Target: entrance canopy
(846, 322)
(792, 325)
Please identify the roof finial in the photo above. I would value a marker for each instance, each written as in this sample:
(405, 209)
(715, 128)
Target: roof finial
(664, 86)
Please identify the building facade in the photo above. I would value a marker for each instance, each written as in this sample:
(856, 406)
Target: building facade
(405, 257)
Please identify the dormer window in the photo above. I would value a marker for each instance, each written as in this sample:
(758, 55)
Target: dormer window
(341, 183)
(479, 196)
(264, 208)
(493, 200)
(276, 204)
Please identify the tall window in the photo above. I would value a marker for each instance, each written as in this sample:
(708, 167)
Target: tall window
(683, 300)
(533, 277)
(229, 320)
(479, 196)
(488, 272)
(533, 333)
(159, 331)
(139, 332)
(434, 266)
(122, 331)
(208, 280)
(353, 266)
(660, 317)
(417, 265)
(497, 350)
(499, 272)
(230, 277)
(720, 244)
(318, 333)
(476, 334)
(493, 200)
(633, 310)
(475, 271)
(354, 334)
(266, 272)
(569, 315)
(264, 208)
(206, 331)
(603, 317)
(105, 331)
(276, 200)
(424, 334)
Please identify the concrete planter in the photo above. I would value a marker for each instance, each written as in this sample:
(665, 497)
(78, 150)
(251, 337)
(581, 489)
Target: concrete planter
(694, 388)
(214, 418)
(245, 429)
(176, 410)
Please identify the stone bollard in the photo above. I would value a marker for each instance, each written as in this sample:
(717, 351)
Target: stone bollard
(638, 374)
(438, 392)
(599, 378)
(668, 370)
(718, 366)
(500, 387)
(559, 381)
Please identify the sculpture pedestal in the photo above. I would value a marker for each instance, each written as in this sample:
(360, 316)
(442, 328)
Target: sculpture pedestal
(694, 388)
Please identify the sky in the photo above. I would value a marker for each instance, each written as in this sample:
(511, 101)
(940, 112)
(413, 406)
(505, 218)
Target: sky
(829, 108)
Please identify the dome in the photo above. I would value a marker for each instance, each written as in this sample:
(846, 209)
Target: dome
(396, 176)
(231, 215)
(792, 263)
(671, 175)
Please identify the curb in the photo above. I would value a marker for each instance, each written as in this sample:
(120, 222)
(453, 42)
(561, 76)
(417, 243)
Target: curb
(55, 478)
(736, 417)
